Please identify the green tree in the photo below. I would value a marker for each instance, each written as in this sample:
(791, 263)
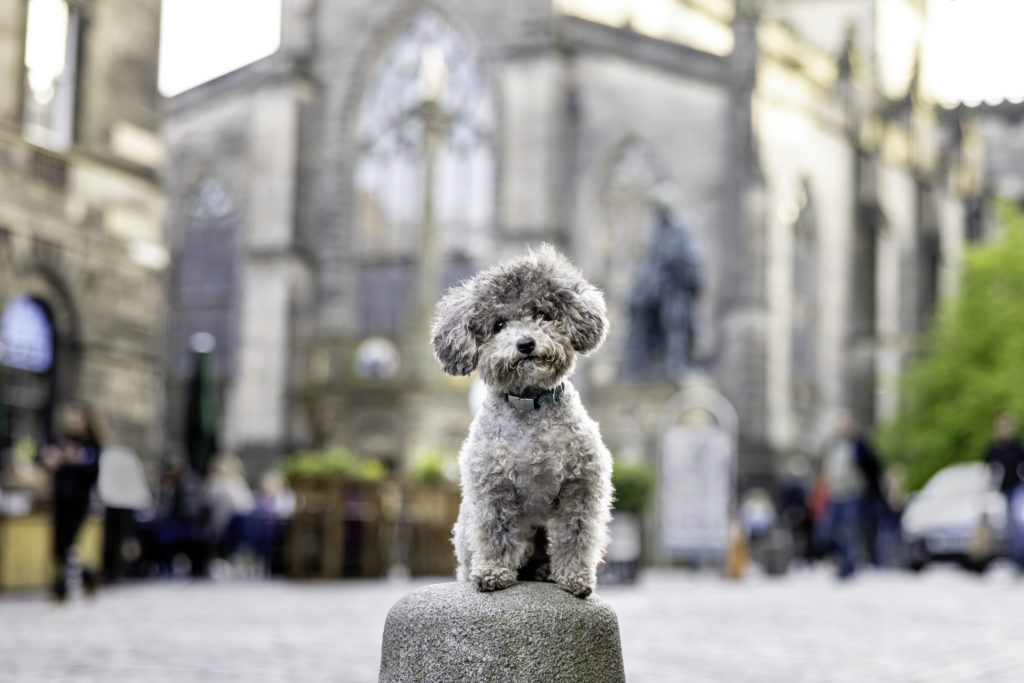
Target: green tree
(973, 366)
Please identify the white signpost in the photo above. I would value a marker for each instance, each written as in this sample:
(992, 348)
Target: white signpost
(697, 478)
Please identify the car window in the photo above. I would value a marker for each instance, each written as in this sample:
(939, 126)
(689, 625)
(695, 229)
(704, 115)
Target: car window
(958, 481)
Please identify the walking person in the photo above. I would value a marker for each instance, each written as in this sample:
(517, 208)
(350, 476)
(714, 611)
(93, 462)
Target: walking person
(794, 507)
(74, 462)
(851, 472)
(1005, 454)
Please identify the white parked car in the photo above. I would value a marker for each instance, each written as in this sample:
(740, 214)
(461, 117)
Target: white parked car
(959, 515)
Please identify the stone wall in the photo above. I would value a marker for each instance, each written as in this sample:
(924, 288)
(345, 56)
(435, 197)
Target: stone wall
(82, 229)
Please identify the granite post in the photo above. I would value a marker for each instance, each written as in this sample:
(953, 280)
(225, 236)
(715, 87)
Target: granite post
(529, 632)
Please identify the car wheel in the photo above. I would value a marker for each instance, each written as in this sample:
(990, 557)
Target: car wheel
(977, 566)
(917, 557)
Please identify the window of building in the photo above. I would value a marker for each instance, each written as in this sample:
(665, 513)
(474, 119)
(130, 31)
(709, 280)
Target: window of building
(627, 203)
(930, 267)
(26, 336)
(429, 82)
(51, 50)
(804, 318)
(26, 369)
(206, 272)
(921, 292)
(425, 176)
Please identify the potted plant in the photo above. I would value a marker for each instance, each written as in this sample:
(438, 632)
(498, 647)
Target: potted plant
(337, 528)
(634, 483)
(431, 507)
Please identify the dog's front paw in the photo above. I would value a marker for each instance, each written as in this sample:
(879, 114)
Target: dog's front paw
(492, 578)
(580, 584)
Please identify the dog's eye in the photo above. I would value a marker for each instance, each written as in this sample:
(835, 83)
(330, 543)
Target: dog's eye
(499, 326)
(541, 316)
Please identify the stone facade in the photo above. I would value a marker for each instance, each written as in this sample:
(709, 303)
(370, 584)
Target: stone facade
(82, 217)
(828, 204)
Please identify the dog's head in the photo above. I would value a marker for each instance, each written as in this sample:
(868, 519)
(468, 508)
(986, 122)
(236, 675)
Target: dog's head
(522, 322)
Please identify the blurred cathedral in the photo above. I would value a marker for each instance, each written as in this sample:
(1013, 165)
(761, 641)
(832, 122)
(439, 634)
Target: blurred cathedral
(321, 198)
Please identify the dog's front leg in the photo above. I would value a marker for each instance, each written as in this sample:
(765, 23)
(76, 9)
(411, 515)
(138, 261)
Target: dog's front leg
(496, 544)
(577, 535)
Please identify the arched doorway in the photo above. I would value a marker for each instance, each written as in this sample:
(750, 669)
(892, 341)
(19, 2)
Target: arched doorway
(28, 376)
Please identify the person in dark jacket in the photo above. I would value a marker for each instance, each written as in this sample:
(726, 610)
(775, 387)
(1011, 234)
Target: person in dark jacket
(75, 463)
(851, 472)
(1005, 454)
(1006, 451)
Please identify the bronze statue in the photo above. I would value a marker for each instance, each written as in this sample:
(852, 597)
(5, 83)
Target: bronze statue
(662, 301)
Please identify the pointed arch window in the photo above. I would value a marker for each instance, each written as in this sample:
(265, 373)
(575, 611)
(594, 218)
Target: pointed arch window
(927, 260)
(425, 176)
(632, 178)
(626, 195)
(804, 316)
(206, 271)
(429, 82)
(626, 198)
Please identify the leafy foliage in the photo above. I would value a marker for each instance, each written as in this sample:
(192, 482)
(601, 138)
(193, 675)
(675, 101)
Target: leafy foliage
(333, 464)
(973, 367)
(433, 465)
(633, 483)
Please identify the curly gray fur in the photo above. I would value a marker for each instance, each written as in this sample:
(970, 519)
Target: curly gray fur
(537, 478)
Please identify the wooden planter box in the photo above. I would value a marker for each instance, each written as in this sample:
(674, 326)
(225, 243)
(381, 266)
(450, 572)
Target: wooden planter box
(339, 529)
(429, 513)
(26, 549)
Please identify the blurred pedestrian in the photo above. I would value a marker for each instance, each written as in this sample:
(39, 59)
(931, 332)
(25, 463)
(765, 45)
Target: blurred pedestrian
(229, 502)
(123, 489)
(1005, 454)
(275, 505)
(889, 544)
(794, 506)
(74, 461)
(275, 499)
(817, 508)
(852, 473)
(179, 528)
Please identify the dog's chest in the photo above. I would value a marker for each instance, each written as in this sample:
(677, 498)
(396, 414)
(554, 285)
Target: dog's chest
(535, 457)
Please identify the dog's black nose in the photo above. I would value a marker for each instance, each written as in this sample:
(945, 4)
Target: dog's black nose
(526, 345)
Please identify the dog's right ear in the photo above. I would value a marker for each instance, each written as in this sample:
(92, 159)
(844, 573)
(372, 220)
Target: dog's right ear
(454, 342)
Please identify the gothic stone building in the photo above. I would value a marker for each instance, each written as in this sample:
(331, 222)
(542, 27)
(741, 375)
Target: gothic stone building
(82, 255)
(320, 200)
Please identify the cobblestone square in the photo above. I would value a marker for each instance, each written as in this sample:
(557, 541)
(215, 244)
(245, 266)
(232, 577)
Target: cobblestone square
(942, 625)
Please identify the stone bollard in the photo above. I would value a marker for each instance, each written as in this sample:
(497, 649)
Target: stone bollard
(529, 632)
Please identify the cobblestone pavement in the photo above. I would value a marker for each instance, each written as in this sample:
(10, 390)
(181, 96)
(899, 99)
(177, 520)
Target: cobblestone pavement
(943, 625)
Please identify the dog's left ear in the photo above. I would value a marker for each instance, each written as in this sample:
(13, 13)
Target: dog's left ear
(584, 314)
(454, 342)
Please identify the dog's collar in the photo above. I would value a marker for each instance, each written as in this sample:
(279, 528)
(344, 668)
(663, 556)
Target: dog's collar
(535, 402)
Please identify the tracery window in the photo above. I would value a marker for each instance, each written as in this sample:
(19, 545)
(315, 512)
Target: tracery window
(206, 272)
(627, 202)
(430, 82)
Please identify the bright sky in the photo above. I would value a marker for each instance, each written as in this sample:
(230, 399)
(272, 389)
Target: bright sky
(203, 39)
(975, 50)
(978, 52)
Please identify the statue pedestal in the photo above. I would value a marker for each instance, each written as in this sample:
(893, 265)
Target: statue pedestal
(529, 632)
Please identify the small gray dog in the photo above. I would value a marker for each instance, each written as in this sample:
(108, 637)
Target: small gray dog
(536, 477)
